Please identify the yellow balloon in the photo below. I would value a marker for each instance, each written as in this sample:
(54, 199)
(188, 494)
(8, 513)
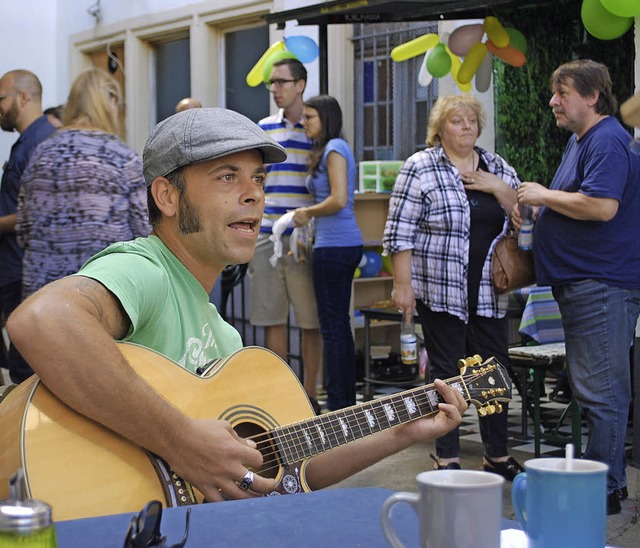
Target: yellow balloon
(254, 78)
(455, 68)
(471, 62)
(496, 32)
(414, 47)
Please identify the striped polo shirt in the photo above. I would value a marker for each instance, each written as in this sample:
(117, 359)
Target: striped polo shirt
(285, 187)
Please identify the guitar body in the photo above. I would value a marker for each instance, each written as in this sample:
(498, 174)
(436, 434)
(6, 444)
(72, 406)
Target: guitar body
(84, 469)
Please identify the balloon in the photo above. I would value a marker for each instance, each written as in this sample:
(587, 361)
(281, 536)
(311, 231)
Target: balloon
(274, 58)
(254, 78)
(622, 8)
(472, 62)
(363, 261)
(496, 32)
(373, 266)
(455, 68)
(508, 54)
(483, 74)
(414, 47)
(517, 39)
(439, 62)
(424, 76)
(603, 24)
(464, 37)
(303, 47)
(357, 273)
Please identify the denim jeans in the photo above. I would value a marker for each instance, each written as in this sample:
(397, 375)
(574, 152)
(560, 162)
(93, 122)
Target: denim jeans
(599, 323)
(19, 370)
(333, 269)
(447, 339)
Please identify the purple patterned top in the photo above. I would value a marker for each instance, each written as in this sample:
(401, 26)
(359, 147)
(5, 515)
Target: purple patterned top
(82, 191)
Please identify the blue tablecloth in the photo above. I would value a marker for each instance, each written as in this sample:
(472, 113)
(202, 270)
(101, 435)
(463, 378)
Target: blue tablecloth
(327, 518)
(541, 320)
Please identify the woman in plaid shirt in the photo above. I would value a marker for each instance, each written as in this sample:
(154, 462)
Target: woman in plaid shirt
(449, 206)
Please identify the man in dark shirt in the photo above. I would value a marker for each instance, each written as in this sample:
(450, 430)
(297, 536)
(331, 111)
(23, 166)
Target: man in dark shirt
(21, 111)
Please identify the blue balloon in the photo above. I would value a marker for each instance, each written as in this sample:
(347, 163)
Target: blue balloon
(373, 266)
(303, 47)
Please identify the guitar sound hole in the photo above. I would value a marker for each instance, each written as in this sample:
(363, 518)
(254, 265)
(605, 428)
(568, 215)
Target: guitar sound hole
(270, 464)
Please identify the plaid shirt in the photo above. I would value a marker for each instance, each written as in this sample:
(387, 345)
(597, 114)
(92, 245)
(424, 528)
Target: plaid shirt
(429, 214)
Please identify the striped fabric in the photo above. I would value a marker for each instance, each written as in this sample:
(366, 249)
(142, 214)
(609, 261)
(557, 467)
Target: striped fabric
(285, 187)
(541, 318)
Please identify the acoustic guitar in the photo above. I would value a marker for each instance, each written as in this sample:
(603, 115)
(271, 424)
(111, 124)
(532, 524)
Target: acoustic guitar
(84, 469)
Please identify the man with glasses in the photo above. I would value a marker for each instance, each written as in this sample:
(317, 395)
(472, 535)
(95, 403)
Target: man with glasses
(21, 111)
(273, 289)
(204, 170)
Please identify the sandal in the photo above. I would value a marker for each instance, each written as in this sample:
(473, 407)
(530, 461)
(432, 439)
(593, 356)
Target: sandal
(449, 466)
(508, 469)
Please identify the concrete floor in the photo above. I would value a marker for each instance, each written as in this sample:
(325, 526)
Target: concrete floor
(399, 471)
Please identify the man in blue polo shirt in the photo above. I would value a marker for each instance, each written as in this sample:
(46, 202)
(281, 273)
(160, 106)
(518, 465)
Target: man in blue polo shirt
(273, 289)
(21, 111)
(587, 248)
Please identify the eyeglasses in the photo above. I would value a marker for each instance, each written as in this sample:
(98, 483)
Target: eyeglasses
(307, 117)
(279, 82)
(144, 530)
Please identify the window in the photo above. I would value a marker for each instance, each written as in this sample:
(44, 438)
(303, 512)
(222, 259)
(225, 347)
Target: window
(391, 108)
(173, 76)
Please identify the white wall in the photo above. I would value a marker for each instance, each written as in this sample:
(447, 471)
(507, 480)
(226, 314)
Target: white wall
(29, 33)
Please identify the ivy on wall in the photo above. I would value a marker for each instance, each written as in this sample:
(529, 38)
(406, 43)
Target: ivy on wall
(526, 132)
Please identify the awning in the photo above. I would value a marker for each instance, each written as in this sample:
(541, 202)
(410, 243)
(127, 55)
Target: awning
(383, 11)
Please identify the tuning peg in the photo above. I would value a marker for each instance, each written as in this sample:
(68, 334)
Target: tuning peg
(498, 407)
(482, 411)
(491, 409)
(470, 361)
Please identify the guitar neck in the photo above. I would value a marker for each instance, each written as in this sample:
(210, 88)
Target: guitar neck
(305, 439)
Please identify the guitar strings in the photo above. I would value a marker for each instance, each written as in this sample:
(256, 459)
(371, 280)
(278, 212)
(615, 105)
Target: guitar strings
(301, 435)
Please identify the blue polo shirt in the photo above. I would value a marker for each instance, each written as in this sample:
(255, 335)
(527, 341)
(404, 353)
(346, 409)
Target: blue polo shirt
(10, 251)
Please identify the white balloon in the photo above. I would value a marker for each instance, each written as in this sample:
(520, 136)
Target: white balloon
(424, 76)
(483, 74)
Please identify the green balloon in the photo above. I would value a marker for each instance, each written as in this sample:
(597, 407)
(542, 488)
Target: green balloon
(622, 8)
(274, 58)
(517, 39)
(603, 24)
(439, 62)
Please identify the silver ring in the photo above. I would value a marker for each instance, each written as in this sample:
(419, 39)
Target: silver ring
(247, 481)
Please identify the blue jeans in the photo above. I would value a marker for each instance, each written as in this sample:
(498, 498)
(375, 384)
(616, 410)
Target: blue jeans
(599, 323)
(19, 370)
(333, 269)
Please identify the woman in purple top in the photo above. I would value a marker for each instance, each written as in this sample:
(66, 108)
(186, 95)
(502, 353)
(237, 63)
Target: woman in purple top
(337, 248)
(83, 188)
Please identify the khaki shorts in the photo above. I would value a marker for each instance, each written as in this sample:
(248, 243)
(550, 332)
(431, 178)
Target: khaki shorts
(272, 290)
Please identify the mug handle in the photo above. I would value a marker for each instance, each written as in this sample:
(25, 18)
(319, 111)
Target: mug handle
(385, 515)
(519, 498)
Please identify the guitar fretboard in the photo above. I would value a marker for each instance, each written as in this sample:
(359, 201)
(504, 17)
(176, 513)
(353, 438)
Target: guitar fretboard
(305, 439)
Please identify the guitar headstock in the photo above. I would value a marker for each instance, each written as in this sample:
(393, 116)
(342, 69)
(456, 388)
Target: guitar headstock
(488, 383)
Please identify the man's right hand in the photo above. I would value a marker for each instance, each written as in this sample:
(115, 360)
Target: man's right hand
(214, 459)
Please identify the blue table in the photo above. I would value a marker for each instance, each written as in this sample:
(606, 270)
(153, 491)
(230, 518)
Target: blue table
(331, 517)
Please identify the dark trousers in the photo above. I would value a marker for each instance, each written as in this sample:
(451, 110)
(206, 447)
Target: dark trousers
(447, 339)
(333, 269)
(10, 297)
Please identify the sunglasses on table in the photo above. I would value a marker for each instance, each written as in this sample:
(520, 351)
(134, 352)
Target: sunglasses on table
(144, 529)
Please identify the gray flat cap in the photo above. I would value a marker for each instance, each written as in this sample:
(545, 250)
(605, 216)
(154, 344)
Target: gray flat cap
(201, 134)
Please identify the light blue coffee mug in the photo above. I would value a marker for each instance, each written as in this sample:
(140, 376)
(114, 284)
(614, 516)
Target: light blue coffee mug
(562, 505)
